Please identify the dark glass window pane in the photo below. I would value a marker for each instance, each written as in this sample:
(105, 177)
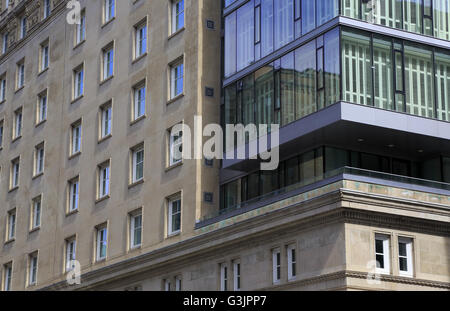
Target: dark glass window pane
(335, 159)
(446, 162)
(370, 162)
(332, 67)
(402, 249)
(379, 246)
(380, 261)
(287, 89)
(403, 264)
(292, 171)
(305, 81)
(264, 92)
(400, 167)
(253, 186)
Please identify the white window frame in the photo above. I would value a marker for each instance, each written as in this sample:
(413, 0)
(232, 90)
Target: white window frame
(78, 82)
(106, 120)
(15, 173)
(11, 225)
(174, 16)
(2, 89)
(20, 75)
(101, 239)
(36, 213)
(292, 262)
(39, 159)
(76, 138)
(104, 178)
(237, 281)
(47, 9)
(32, 269)
(134, 228)
(224, 277)
(140, 38)
(178, 283)
(135, 163)
(385, 239)
(409, 256)
(276, 266)
(7, 277)
(176, 78)
(45, 56)
(109, 8)
(5, 43)
(108, 62)
(167, 285)
(41, 114)
(70, 253)
(23, 27)
(1, 133)
(18, 120)
(171, 215)
(74, 195)
(80, 33)
(139, 101)
(175, 142)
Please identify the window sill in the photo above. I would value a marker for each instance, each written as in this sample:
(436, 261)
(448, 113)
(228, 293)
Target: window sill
(172, 100)
(138, 120)
(40, 123)
(176, 33)
(74, 212)
(10, 241)
(19, 89)
(16, 139)
(75, 155)
(98, 261)
(105, 138)
(35, 230)
(135, 248)
(79, 44)
(13, 189)
(174, 234)
(136, 183)
(2, 102)
(173, 166)
(76, 99)
(37, 176)
(108, 22)
(106, 197)
(43, 71)
(137, 59)
(106, 80)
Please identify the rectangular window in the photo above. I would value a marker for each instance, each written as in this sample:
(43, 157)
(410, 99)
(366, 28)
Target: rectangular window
(74, 189)
(230, 44)
(36, 213)
(78, 82)
(223, 277)
(20, 74)
(136, 229)
(108, 62)
(167, 285)
(245, 35)
(41, 111)
(11, 225)
(175, 147)
(137, 164)
(178, 283)
(32, 269)
(44, 56)
(237, 275)
(140, 39)
(284, 22)
(106, 120)
(176, 79)
(103, 180)
(71, 248)
(177, 15)
(405, 256)
(109, 10)
(276, 266)
(102, 242)
(17, 131)
(5, 43)
(292, 262)
(2, 89)
(7, 277)
(80, 33)
(15, 171)
(23, 27)
(139, 101)
(174, 216)
(39, 159)
(76, 138)
(1, 134)
(47, 9)
(382, 253)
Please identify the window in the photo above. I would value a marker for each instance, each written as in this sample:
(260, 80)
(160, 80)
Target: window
(292, 262)
(176, 79)
(78, 82)
(109, 10)
(39, 159)
(108, 62)
(177, 15)
(5, 43)
(15, 170)
(76, 138)
(23, 27)
(44, 60)
(139, 101)
(80, 33)
(103, 180)
(32, 269)
(137, 164)
(405, 257)
(2, 89)
(36, 213)
(382, 253)
(237, 275)
(11, 225)
(178, 283)
(1, 134)
(41, 111)
(140, 39)
(175, 147)
(167, 285)
(223, 277)
(71, 247)
(74, 189)
(47, 9)
(136, 229)
(174, 217)
(17, 130)
(20, 74)
(106, 120)
(276, 265)
(7, 277)
(102, 242)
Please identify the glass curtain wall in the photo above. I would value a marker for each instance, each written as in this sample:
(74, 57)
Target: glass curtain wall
(442, 65)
